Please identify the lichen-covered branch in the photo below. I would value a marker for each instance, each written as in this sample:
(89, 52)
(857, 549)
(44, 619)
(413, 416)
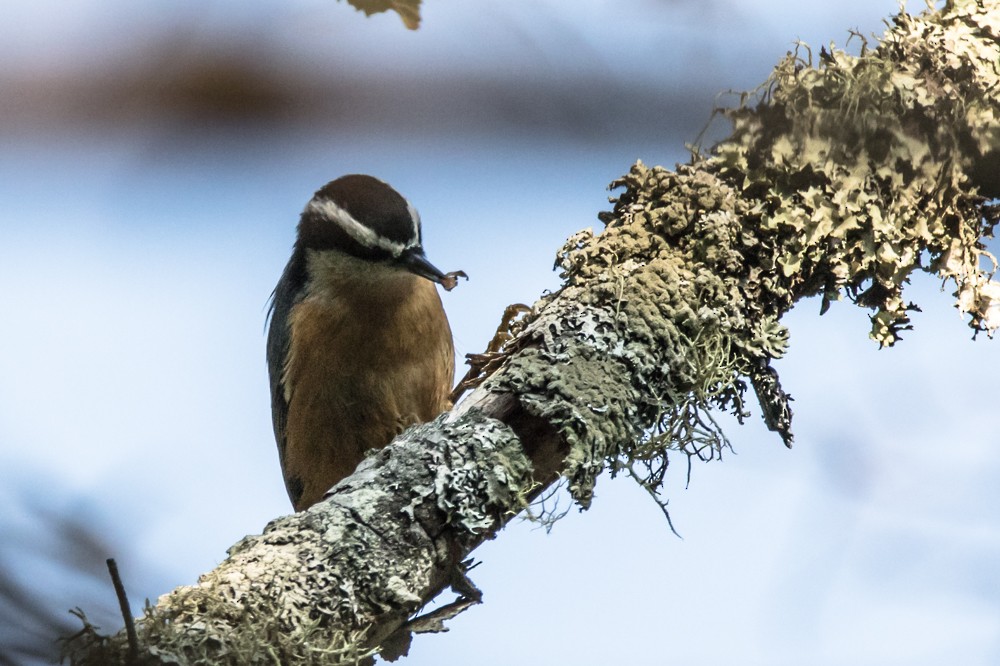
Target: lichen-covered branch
(334, 583)
(841, 178)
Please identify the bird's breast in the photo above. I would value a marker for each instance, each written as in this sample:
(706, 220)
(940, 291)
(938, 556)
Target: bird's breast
(360, 368)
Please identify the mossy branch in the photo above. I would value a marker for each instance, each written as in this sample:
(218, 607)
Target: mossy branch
(841, 178)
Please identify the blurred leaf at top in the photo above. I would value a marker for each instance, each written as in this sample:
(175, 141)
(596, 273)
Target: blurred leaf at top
(408, 10)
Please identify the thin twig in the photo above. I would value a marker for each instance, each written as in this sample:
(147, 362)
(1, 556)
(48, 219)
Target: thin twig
(133, 639)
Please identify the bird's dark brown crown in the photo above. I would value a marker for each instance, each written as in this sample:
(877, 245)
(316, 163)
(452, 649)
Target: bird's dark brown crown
(362, 216)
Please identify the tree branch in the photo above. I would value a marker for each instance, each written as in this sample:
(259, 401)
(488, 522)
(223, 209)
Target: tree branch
(839, 179)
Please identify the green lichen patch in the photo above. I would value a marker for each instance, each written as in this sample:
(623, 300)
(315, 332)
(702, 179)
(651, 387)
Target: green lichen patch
(654, 326)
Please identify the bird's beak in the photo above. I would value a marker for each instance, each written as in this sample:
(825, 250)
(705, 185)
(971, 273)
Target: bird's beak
(416, 262)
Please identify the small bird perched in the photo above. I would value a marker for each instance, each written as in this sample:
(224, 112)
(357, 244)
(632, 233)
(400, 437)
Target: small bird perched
(359, 346)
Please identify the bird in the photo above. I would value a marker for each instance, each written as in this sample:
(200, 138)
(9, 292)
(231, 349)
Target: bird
(358, 345)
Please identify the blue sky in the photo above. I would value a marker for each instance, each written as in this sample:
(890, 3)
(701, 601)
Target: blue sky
(137, 257)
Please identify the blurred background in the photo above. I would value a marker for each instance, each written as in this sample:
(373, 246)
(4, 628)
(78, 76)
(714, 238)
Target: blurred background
(155, 157)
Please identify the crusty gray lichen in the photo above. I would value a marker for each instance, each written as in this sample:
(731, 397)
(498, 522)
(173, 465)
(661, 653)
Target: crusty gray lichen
(316, 587)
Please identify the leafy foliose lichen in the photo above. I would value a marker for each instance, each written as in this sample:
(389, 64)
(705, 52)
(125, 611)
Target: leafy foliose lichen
(840, 178)
(866, 168)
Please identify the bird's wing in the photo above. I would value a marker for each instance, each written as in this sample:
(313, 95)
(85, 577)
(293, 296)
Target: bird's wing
(285, 294)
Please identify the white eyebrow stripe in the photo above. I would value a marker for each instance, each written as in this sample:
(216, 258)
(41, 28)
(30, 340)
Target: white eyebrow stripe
(415, 219)
(359, 232)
